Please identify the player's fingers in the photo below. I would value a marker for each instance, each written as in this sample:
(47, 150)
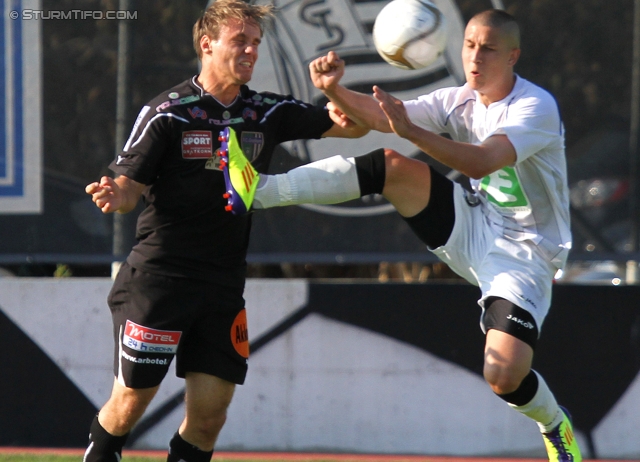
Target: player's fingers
(104, 203)
(91, 188)
(335, 109)
(313, 65)
(320, 63)
(324, 65)
(106, 181)
(333, 59)
(381, 96)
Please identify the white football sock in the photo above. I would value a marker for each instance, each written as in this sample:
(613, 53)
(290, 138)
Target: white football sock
(543, 408)
(327, 181)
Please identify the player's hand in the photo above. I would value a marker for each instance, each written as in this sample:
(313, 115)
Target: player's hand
(339, 117)
(106, 194)
(343, 126)
(326, 71)
(395, 111)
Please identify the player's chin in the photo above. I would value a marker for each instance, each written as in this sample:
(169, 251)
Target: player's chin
(475, 81)
(244, 74)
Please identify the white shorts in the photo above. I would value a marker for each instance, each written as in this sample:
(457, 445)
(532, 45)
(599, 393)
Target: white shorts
(502, 267)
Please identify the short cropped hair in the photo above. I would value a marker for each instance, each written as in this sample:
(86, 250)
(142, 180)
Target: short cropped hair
(221, 11)
(500, 19)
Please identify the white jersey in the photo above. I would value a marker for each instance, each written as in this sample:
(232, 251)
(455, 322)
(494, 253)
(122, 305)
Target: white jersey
(528, 201)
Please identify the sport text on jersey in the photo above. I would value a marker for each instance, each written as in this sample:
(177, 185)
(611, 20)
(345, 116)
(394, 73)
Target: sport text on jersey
(197, 144)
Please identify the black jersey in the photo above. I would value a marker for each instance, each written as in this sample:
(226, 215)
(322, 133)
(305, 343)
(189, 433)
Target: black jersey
(184, 229)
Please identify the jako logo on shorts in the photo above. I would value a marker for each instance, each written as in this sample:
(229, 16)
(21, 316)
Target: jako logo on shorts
(149, 340)
(240, 334)
(523, 323)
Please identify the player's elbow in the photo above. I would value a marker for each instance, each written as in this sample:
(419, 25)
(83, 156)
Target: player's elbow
(476, 173)
(478, 170)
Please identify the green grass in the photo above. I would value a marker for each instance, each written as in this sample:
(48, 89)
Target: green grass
(126, 458)
(23, 457)
(58, 458)
(66, 458)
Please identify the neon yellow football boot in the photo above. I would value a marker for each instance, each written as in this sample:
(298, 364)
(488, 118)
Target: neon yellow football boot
(561, 443)
(240, 178)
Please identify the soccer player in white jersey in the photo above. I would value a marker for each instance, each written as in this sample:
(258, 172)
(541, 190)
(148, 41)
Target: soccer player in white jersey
(508, 236)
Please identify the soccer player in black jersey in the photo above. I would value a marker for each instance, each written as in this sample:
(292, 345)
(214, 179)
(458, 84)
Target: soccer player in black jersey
(180, 291)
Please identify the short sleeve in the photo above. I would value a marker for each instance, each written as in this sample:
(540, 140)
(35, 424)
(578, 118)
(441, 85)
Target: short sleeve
(532, 124)
(146, 146)
(427, 112)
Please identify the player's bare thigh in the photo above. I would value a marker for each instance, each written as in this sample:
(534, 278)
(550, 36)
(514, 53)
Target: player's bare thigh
(407, 184)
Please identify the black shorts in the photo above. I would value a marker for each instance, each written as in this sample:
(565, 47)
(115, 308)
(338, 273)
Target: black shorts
(157, 317)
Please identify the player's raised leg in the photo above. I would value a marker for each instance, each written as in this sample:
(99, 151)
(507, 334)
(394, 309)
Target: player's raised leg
(404, 182)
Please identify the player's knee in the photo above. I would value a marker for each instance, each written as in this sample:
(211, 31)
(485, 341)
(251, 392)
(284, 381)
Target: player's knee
(392, 160)
(399, 171)
(126, 405)
(502, 379)
(206, 428)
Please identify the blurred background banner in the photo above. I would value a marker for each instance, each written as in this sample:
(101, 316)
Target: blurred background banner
(349, 368)
(72, 46)
(20, 110)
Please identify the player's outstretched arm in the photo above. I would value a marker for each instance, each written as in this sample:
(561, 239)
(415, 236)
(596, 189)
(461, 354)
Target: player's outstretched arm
(326, 73)
(115, 195)
(475, 161)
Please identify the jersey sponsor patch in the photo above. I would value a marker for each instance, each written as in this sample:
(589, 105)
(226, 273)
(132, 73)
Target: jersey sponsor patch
(251, 143)
(149, 340)
(504, 189)
(197, 144)
(177, 102)
(240, 334)
(197, 113)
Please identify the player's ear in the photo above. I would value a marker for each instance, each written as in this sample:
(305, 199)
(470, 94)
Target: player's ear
(205, 44)
(514, 56)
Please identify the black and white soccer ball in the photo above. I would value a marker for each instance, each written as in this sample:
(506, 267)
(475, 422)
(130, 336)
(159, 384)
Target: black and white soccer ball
(410, 34)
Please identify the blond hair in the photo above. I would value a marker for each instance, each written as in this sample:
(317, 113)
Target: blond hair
(221, 11)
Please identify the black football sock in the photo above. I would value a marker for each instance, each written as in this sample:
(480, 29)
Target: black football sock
(525, 392)
(371, 172)
(103, 446)
(180, 450)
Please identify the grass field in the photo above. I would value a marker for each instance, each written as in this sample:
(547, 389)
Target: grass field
(41, 455)
(50, 457)
(44, 457)
(75, 455)
(59, 458)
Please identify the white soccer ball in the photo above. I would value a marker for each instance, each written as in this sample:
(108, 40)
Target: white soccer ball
(410, 34)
